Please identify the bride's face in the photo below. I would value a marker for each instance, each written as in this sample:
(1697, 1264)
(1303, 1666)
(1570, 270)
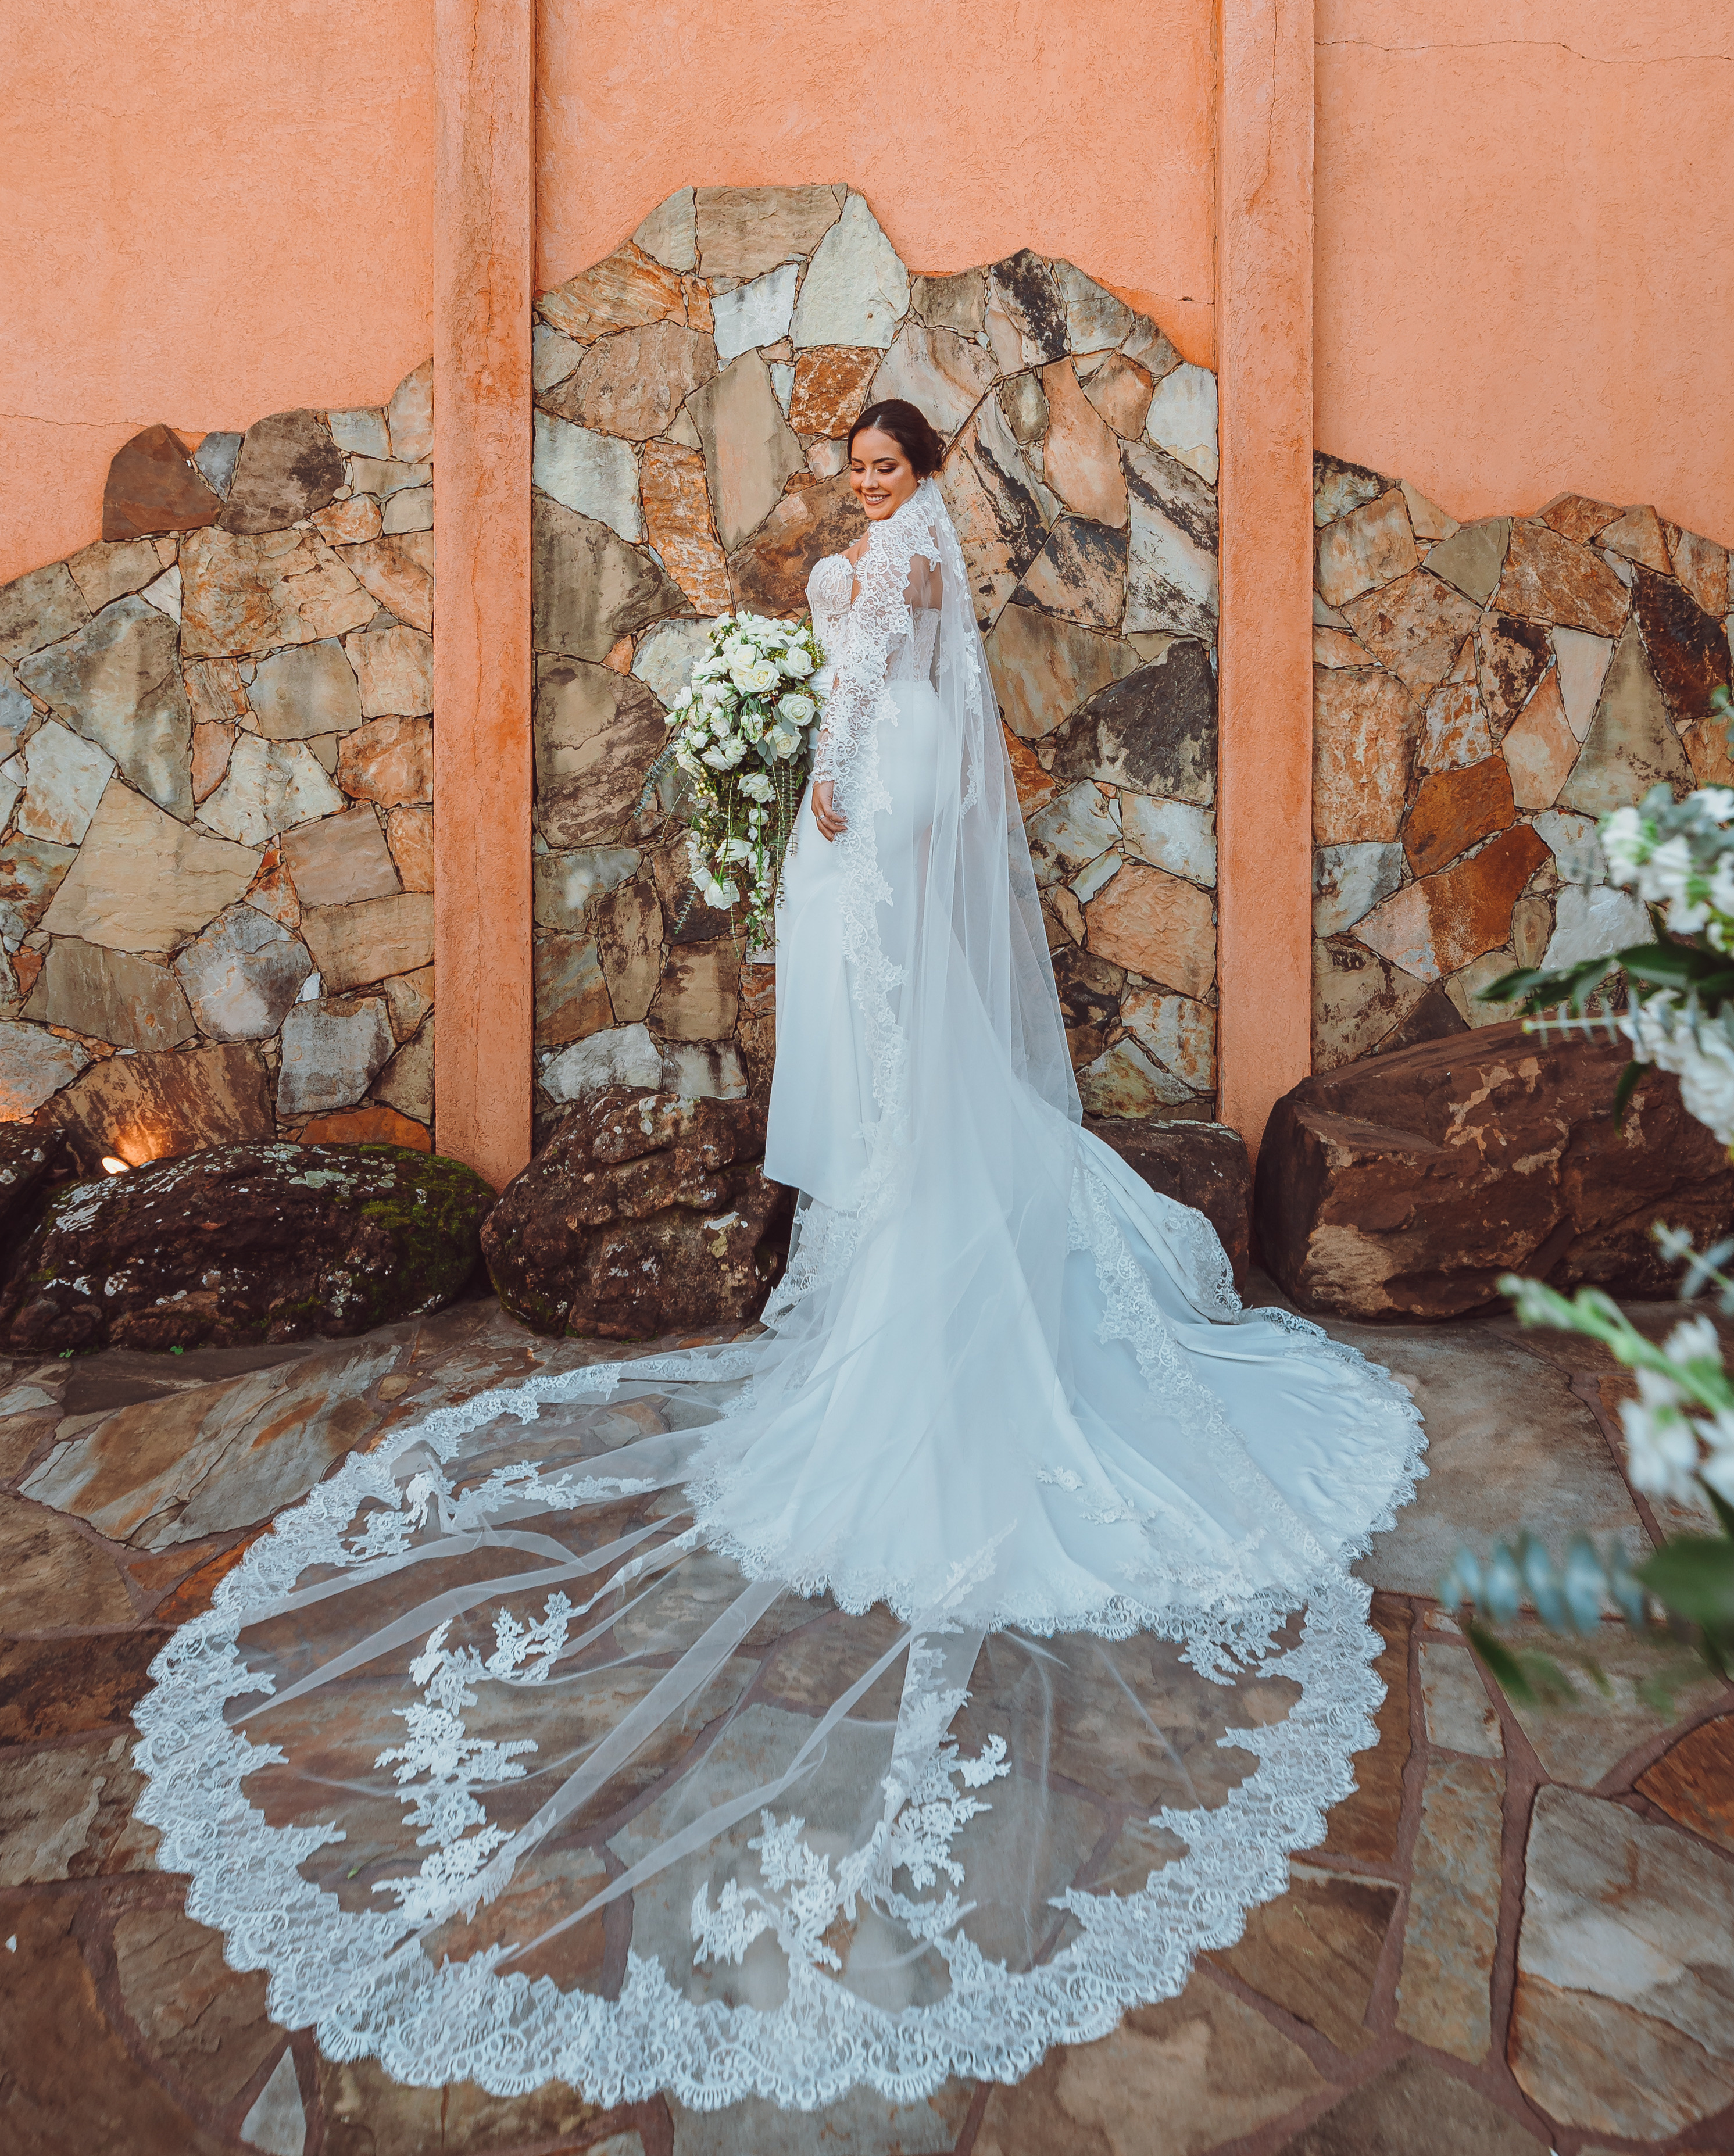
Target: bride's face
(881, 475)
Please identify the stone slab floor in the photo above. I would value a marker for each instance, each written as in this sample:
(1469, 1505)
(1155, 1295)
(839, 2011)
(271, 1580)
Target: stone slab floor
(1518, 1936)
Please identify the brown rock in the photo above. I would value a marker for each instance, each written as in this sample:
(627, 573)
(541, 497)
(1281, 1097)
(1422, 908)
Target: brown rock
(114, 996)
(388, 761)
(1454, 810)
(1631, 744)
(1415, 627)
(339, 858)
(1367, 1822)
(1432, 927)
(1575, 516)
(1638, 535)
(1415, 2106)
(831, 385)
(1001, 511)
(215, 693)
(1404, 1185)
(289, 467)
(72, 2085)
(1043, 668)
(33, 1163)
(743, 231)
(632, 383)
(349, 523)
(1550, 579)
(410, 832)
(1209, 2068)
(374, 1125)
(944, 375)
(769, 573)
(157, 1106)
(1620, 2021)
(206, 2022)
(371, 940)
(104, 572)
(957, 303)
(1702, 568)
(211, 747)
(31, 872)
(1080, 574)
(244, 594)
(628, 942)
(1025, 320)
(677, 522)
(572, 996)
(1708, 753)
(1470, 559)
(698, 997)
(1511, 657)
(1688, 650)
(1156, 925)
(588, 587)
(1154, 732)
(366, 2113)
(1121, 391)
(1035, 786)
(373, 1236)
(1314, 1951)
(623, 290)
(1454, 728)
(1338, 487)
(1202, 1165)
(154, 485)
(52, 1579)
(1363, 728)
(1693, 1781)
(750, 454)
(597, 733)
(1452, 1928)
(1082, 459)
(60, 1686)
(1370, 545)
(1540, 747)
(392, 574)
(643, 1214)
(394, 668)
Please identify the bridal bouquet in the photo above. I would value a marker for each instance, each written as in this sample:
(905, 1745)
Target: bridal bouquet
(743, 736)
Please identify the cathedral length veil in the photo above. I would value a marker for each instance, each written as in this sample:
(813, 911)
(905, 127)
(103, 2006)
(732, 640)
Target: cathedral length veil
(913, 1686)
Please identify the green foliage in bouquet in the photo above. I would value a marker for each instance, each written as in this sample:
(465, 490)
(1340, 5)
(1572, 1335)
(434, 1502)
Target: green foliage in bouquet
(741, 733)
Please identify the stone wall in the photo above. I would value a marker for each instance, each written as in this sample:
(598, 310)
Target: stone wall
(693, 391)
(1483, 693)
(215, 788)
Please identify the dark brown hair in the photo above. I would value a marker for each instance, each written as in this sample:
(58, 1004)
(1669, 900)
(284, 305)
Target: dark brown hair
(908, 428)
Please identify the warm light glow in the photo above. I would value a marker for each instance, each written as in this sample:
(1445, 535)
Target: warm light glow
(112, 1166)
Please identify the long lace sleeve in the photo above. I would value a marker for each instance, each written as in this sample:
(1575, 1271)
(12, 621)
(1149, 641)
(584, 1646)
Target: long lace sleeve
(894, 570)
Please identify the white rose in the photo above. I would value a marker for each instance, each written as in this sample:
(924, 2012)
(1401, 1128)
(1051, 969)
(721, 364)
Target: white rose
(757, 787)
(717, 758)
(738, 849)
(795, 709)
(722, 896)
(797, 660)
(784, 740)
(754, 676)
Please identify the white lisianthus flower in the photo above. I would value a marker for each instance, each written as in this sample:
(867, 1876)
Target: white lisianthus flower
(1693, 1341)
(757, 787)
(738, 849)
(1697, 1049)
(717, 758)
(752, 724)
(1661, 1446)
(724, 895)
(795, 708)
(1626, 840)
(797, 660)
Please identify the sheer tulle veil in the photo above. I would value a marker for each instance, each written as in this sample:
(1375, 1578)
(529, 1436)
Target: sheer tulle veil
(914, 1684)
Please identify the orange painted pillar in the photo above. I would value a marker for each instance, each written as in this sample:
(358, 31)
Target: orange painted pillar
(483, 230)
(1264, 232)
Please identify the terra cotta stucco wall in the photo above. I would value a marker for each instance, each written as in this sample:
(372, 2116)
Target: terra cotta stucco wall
(211, 211)
(1524, 261)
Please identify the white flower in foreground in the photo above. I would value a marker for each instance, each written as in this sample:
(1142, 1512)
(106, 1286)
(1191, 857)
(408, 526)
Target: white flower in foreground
(738, 849)
(797, 660)
(1661, 1446)
(797, 708)
(757, 787)
(1626, 841)
(783, 740)
(1699, 1052)
(1693, 1341)
(754, 676)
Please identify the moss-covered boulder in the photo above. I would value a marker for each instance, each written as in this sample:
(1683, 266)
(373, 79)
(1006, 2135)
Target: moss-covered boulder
(247, 1242)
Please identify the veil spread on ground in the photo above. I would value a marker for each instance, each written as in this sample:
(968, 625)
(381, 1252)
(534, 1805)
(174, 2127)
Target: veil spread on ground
(912, 1686)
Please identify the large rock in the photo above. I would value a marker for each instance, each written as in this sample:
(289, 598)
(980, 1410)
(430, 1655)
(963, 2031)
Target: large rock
(1202, 1165)
(1402, 1186)
(119, 682)
(31, 1161)
(289, 467)
(164, 1103)
(249, 1243)
(644, 1213)
(153, 485)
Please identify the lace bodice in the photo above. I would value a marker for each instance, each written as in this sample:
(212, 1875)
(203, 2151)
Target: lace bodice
(853, 625)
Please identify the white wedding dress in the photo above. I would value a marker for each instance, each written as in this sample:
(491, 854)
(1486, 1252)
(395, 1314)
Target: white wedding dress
(915, 1684)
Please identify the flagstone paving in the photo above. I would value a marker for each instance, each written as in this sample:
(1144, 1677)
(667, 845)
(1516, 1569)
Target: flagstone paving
(1517, 1935)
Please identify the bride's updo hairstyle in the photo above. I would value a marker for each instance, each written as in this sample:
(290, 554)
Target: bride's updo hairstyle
(908, 428)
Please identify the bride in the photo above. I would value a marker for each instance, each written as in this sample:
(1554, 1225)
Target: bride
(916, 1683)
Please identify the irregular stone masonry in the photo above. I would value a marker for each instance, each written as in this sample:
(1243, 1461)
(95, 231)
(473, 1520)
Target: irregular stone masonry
(1482, 693)
(693, 391)
(216, 788)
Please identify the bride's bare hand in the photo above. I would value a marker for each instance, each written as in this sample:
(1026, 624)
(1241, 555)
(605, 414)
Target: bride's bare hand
(830, 824)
